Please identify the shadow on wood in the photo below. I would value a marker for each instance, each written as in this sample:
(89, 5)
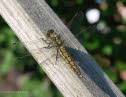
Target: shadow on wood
(85, 61)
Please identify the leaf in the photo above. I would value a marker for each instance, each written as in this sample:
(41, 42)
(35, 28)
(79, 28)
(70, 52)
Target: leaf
(79, 1)
(38, 88)
(2, 37)
(93, 45)
(107, 50)
(18, 94)
(40, 70)
(112, 75)
(121, 65)
(7, 62)
(122, 86)
(54, 2)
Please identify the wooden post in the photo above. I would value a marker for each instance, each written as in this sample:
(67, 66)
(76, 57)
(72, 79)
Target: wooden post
(30, 19)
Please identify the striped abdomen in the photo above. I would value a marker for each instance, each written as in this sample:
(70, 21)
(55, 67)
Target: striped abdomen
(65, 55)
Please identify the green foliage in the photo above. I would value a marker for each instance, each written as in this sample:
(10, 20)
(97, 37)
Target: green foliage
(121, 65)
(54, 2)
(17, 94)
(112, 75)
(38, 88)
(6, 66)
(107, 50)
(93, 45)
(79, 1)
(122, 86)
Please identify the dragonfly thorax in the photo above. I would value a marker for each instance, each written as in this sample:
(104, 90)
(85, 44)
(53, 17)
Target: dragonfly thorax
(51, 35)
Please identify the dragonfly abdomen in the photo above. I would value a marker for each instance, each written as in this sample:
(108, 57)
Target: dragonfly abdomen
(65, 55)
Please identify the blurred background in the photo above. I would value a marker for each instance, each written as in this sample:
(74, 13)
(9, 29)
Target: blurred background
(103, 35)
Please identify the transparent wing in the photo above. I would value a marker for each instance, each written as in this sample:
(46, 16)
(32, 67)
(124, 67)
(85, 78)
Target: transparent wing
(54, 53)
(48, 51)
(76, 22)
(74, 25)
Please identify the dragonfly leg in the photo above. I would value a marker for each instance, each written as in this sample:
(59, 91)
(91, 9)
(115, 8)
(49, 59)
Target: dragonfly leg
(46, 41)
(56, 56)
(49, 46)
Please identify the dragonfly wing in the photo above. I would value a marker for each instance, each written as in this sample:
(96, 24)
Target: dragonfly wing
(75, 23)
(55, 57)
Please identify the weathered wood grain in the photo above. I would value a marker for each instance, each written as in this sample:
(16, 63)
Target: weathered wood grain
(30, 19)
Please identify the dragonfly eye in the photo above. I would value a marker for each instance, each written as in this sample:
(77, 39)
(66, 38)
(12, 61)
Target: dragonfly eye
(51, 31)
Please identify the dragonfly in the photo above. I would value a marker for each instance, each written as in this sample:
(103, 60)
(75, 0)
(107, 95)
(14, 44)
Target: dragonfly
(57, 42)
(54, 41)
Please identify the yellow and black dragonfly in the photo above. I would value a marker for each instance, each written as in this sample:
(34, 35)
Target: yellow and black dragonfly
(53, 40)
(57, 42)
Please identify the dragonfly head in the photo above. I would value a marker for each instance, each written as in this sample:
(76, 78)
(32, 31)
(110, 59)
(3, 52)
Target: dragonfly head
(51, 33)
